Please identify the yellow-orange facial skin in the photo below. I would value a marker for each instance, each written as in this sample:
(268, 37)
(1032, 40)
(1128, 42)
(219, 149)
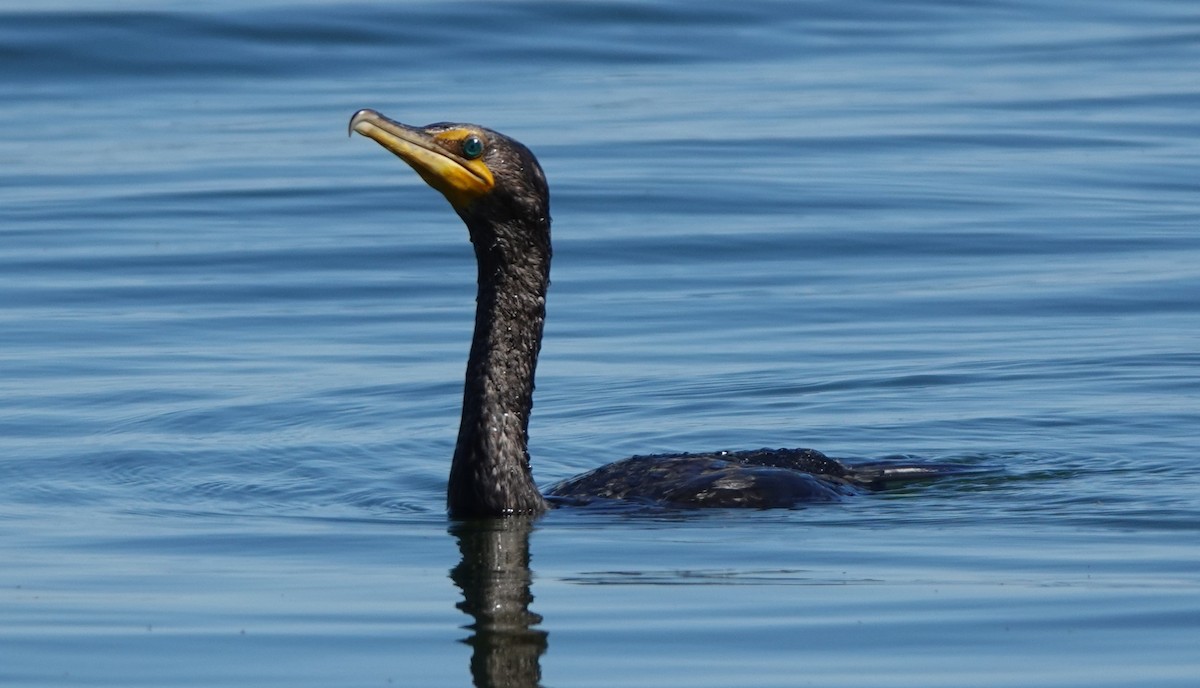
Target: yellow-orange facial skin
(435, 156)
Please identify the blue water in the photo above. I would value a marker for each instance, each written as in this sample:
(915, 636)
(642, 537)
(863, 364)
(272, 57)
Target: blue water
(232, 342)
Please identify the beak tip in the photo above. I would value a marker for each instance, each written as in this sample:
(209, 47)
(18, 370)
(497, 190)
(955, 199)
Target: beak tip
(358, 118)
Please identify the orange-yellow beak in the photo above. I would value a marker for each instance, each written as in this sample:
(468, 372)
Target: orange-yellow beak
(431, 154)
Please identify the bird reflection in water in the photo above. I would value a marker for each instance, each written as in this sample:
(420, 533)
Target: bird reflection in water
(494, 577)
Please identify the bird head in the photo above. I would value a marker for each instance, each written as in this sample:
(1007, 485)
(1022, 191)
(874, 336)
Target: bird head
(487, 177)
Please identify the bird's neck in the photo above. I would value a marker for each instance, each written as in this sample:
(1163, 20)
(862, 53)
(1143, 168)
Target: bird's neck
(490, 474)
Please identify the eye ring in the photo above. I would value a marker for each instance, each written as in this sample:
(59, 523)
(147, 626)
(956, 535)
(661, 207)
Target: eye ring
(472, 147)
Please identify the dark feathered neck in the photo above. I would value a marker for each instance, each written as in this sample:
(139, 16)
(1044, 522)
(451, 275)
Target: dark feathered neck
(490, 474)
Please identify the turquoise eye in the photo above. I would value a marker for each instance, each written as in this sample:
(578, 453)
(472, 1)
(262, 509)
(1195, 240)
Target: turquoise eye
(472, 147)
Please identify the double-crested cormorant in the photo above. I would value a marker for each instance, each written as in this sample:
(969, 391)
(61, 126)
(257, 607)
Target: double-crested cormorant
(498, 189)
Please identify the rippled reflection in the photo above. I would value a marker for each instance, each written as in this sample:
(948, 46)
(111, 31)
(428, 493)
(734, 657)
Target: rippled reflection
(494, 577)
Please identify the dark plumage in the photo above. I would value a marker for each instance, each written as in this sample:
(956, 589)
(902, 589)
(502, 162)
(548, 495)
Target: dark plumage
(498, 189)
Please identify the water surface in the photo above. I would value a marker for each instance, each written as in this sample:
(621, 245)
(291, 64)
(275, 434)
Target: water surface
(232, 342)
